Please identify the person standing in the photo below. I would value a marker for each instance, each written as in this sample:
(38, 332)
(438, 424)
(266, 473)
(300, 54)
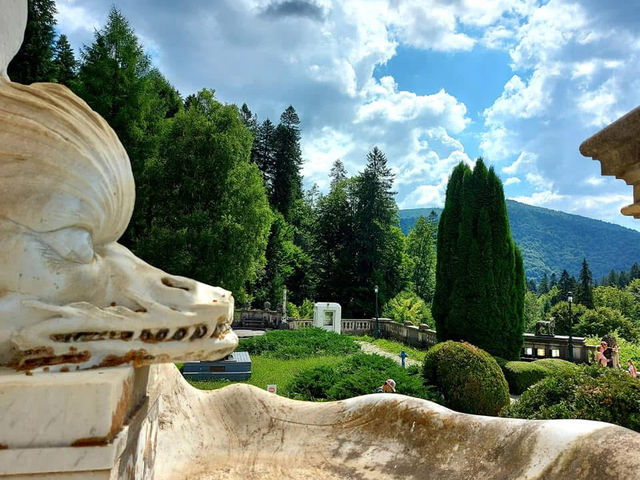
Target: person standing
(633, 371)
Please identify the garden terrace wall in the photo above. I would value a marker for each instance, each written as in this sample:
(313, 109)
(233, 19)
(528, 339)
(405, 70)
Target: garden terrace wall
(534, 347)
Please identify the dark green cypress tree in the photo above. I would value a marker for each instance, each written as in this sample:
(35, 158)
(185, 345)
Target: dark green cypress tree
(480, 282)
(64, 62)
(33, 62)
(585, 287)
(286, 182)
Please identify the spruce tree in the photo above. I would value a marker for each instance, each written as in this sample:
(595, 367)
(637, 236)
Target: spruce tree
(554, 280)
(64, 62)
(338, 172)
(113, 80)
(544, 285)
(286, 182)
(634, 272)
(33, 62)
(263, 153)
(480, 282)
(565, 285)
(585, 287)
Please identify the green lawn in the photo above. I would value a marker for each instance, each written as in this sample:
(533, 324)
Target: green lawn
(266, 371)
(393, 347)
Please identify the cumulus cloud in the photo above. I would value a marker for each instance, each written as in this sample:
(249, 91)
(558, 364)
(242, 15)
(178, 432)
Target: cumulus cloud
(574, 64)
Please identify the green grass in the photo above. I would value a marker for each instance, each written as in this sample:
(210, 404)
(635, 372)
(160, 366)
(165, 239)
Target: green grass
(266, 371)
(393, 347)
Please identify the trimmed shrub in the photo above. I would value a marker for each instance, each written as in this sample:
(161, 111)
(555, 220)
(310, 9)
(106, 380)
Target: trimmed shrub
(521, 375)
(358, 375)
(408, 307)
(469, 379)
(286, 344)
(590, 393)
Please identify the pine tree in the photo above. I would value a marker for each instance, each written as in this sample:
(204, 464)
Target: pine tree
(612, 279)
(634, 272)
(480, 282)
(113, 80)
(565, 285)
(531, 285)
(554, 280)
(286, 182)
(33, 62)
(338, 172)
(585, 287)
(64, 62)
(263, 153)
(378, 240)
(544, 285)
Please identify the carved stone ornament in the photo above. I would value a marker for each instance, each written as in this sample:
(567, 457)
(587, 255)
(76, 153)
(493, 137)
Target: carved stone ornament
(71, 297)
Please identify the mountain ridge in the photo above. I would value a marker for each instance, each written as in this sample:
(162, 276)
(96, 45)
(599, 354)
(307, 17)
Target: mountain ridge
(551, 240)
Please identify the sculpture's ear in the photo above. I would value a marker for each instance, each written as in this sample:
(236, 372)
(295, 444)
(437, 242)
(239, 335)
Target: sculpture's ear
(73, 244)
(13, 20)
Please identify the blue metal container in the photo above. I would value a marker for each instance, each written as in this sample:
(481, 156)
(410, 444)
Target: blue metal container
(236, 366)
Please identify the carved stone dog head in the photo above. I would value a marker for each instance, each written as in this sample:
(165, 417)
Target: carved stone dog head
(70, 296)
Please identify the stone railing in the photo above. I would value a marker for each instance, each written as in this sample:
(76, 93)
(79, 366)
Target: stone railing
(555, 346)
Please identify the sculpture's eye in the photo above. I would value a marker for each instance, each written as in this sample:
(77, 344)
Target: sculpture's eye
(73, 244)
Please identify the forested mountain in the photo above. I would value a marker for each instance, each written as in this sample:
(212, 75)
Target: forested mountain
(553, 241)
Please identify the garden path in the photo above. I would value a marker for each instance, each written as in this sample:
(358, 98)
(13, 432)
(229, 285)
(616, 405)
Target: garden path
(371, 348)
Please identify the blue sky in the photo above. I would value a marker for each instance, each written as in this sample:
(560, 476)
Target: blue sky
(431, 82)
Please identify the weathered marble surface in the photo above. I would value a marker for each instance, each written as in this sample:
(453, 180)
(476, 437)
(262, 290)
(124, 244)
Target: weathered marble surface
(70, 295)
(101, 424)
(241, 432)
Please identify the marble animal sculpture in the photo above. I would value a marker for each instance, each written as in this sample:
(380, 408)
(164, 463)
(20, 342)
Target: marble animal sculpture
(71, 297)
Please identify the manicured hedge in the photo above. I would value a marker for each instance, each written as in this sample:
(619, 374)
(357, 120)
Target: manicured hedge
(590, 393)
(521, 375)
(359, 374)
(469, 378)
(287, 344)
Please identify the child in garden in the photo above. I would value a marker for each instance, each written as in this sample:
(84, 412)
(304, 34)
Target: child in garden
(633, 371)
(387, 387)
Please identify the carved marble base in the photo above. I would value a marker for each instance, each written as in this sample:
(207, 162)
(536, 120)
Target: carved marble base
(99, 424)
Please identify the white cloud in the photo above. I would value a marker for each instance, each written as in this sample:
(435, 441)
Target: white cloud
(511, 181)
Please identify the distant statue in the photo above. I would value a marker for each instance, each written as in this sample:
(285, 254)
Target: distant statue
(546, 327)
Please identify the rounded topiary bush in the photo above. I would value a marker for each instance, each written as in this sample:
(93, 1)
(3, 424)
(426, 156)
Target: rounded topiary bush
(522, 375)
(590, 393)
(469, 378)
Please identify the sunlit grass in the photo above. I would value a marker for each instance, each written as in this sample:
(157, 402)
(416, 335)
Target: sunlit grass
(267, 371)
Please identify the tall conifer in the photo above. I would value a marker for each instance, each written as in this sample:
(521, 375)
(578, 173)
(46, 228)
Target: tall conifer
(480, 282)
(585, 287)
(64, 62)
(33, 62)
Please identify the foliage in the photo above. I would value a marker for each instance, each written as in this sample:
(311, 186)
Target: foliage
(533, 311)
(64, 62)
(292, 310)
(214, 224)
(286, 181)
(480, 283)
(590, 393)
(560, 312)
(33, 62)
(421, 249)
(469, 378)
(604, 320)
(358, 375)
(378, 241)
(625, 301)
(306, 309)
(551, 241)
(584, 295)
(299, 344)
(408, 307)
(521, 375)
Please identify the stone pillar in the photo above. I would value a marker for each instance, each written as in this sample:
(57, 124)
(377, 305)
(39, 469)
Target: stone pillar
(96, 424)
